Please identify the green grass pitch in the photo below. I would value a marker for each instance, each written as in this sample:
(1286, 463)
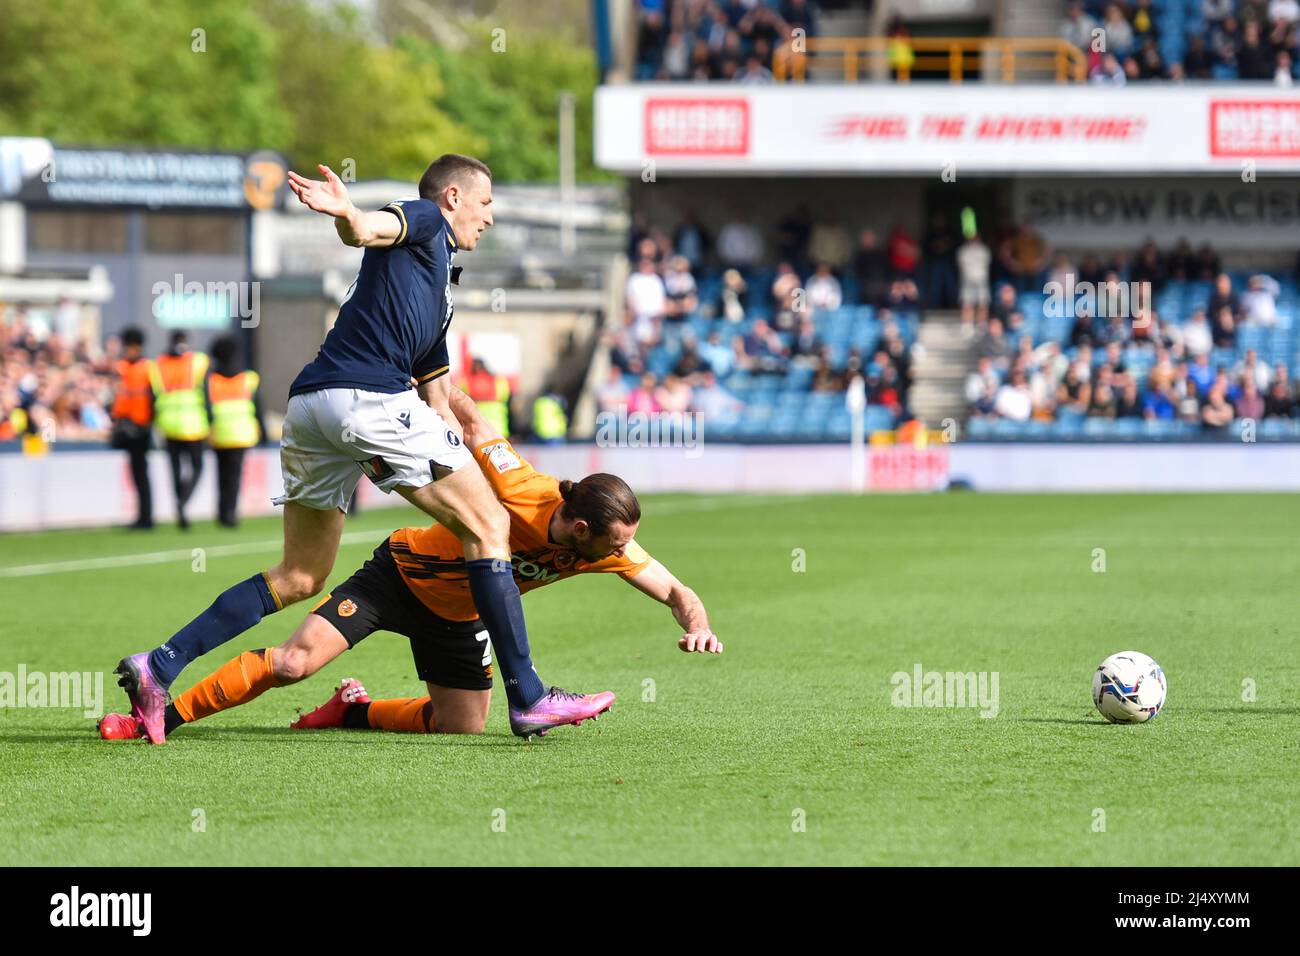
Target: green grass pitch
(784, 750)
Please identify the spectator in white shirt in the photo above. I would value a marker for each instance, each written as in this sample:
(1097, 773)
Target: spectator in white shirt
(1013, 400)
(824, 289)
(973, 260)
(1282, 75)
(1286, 11)
(1250, 366)
(1198, 339)
(1259, 301)
(646, 295)
(647, 300)
(981, 382)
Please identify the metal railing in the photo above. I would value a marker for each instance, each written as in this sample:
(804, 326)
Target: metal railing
(1001, 58)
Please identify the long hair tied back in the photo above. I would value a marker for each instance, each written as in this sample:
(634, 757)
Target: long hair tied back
(600, 500)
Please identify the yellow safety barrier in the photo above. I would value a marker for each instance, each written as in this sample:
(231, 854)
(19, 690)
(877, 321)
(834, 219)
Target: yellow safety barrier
(902, 58)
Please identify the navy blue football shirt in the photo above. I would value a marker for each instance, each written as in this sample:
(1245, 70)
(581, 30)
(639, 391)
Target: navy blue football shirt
(393, 325)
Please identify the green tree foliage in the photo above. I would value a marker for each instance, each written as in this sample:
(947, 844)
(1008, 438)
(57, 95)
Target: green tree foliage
(506, 89)
(306, 78)
(353, 99)
(126, 72)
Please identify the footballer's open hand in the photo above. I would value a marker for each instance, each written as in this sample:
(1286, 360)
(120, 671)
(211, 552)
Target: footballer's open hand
(700, 642)
(329, 197)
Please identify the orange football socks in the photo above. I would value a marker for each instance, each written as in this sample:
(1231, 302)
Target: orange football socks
(233, 683)
(402, 715)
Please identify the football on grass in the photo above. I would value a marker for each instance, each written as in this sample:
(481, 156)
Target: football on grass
(1129, 688)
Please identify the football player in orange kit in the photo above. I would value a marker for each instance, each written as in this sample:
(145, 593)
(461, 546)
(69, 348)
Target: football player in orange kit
(416, 584)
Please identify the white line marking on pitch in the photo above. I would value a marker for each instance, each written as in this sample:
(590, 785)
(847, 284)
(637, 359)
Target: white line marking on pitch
(350, 537)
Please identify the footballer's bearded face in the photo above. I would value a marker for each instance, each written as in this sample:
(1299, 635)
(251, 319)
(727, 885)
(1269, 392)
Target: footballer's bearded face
(470, 203)
(597, 547)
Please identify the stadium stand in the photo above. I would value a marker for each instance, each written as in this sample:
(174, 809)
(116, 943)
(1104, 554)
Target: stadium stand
(1186, 39)
(1141, 41)
(1205, 358)
(759, 350)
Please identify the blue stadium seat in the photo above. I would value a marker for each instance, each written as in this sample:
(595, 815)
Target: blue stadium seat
(1128, 428)
(1278, 429)
(799, 378)
(721, 428)
(1099, 427)
(878, 418)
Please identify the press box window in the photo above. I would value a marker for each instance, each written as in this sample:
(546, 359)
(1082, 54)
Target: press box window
(51, 230)
(195, 233)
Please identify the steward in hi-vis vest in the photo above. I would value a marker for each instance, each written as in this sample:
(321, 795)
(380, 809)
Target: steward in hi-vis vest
(491, 393)
(550, 423)
(133, 414)
(236, 422)
(182, 416)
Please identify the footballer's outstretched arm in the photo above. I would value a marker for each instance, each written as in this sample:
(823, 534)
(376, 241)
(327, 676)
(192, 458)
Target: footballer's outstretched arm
(688, 610)
(355, 228)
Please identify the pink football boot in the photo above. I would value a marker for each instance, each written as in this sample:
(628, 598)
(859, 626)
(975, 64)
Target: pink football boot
(557, 708)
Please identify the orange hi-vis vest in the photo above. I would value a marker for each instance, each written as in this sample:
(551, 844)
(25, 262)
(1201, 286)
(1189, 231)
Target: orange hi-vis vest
(234, 416)
(178, 396)
(135, 385)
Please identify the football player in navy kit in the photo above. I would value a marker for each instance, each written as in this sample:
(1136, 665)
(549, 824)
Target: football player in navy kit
(375, 400)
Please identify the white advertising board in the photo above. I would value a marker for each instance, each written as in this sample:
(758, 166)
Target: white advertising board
(923, 129)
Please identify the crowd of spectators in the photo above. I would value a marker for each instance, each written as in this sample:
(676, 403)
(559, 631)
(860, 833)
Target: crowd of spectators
(53, 381)
(1213, 39)
(716, 39)
(1124, 41)
(763, 313)
(1193, 365)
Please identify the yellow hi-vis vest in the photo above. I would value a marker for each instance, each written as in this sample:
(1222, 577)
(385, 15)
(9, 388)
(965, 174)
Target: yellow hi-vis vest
(234, 417)
(497, 412)
(178, 396)
(549, 420)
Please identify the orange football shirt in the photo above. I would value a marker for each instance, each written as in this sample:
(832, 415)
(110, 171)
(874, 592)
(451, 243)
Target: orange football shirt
(432, 560)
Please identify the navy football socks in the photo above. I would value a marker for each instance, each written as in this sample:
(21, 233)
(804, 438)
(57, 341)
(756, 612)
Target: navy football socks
(496, 595)
(236, 610)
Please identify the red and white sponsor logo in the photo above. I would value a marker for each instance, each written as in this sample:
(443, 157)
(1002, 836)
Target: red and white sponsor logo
(697, 127)
(905, 468)
(1257, 128)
